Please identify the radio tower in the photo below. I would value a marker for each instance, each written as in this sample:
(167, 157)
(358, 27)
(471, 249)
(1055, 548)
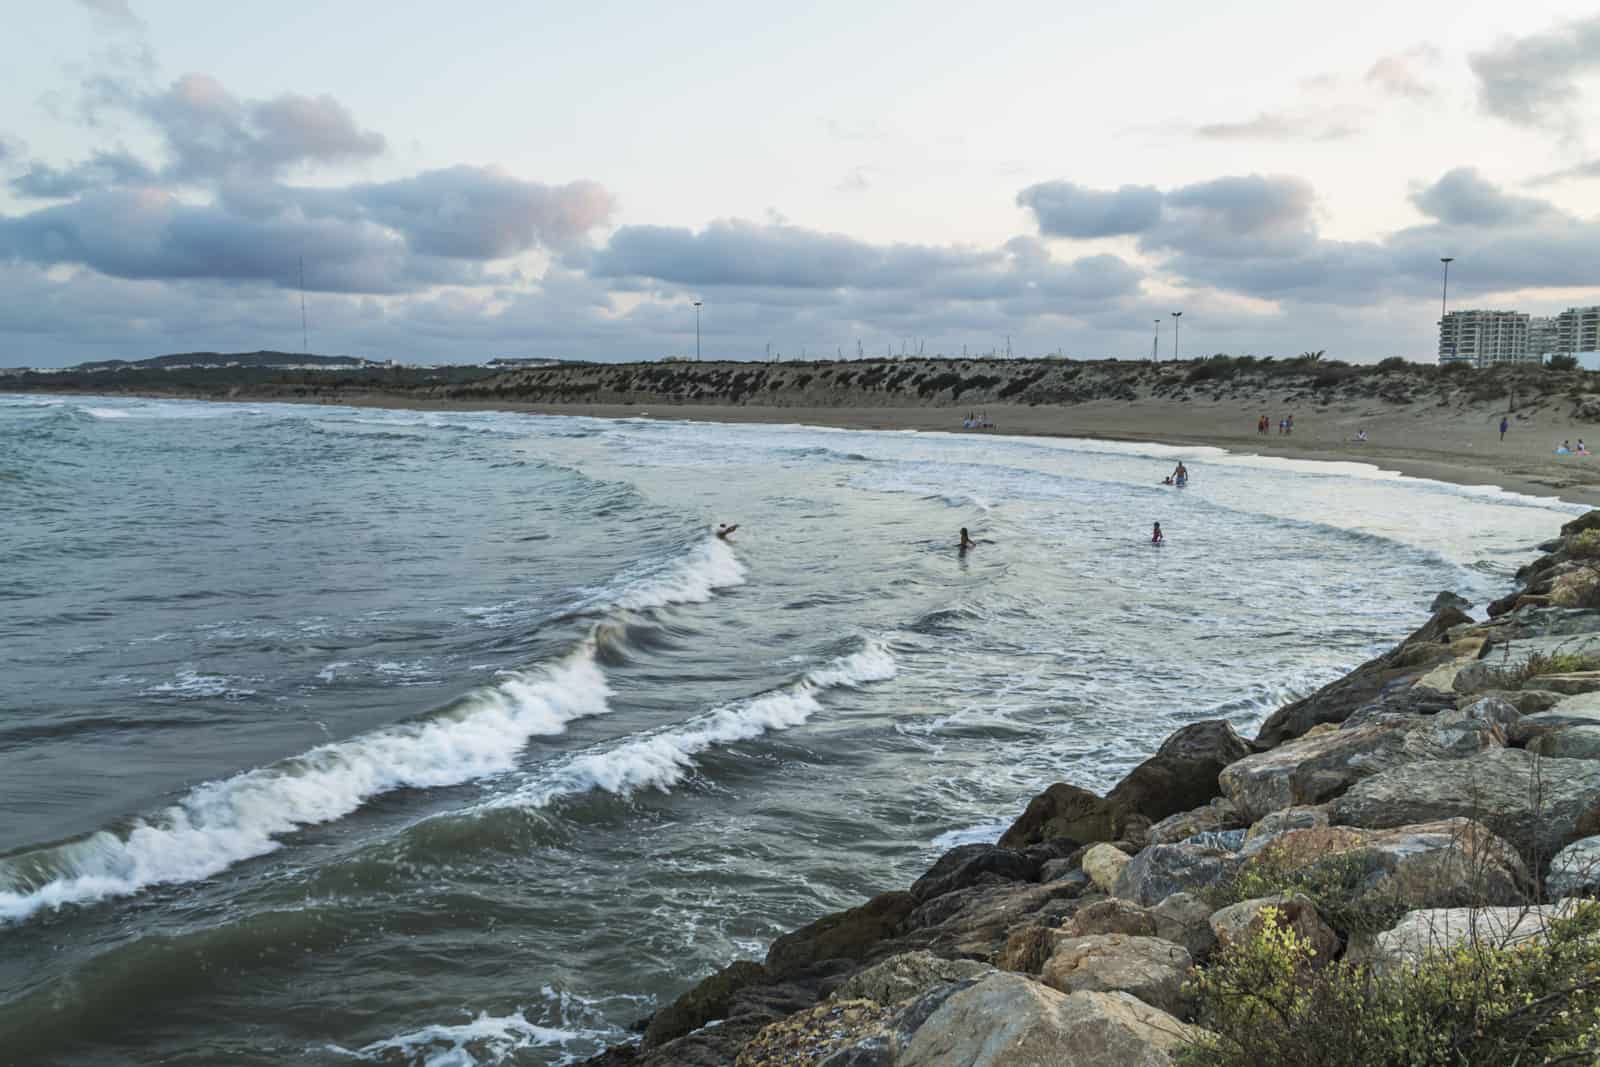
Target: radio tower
(305, 347)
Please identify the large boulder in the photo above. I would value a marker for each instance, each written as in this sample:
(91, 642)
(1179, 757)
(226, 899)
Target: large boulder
(1335, 702)
(1103, 864)
(974, 923)
(1434, 864)
(1111, 916)
(1582, 710)
(1159, 871)
(970, 865)
(910, 974)
(1065, 810)
(815, 1034)
(1239, 923)
(1312, 769)
(1539, 805)
(708, 1000)
(1183, 772)
(847, 935)
(1009, 1021)
(1219, 814)
(1440, 929)
(1186, 919)
(1575, 742)
(1181, 775)
(1151, 969)
(1575, 871)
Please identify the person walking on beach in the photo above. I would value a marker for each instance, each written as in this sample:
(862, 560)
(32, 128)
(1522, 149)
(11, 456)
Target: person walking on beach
(1288, 425)
(1504, 426)
(1156, 536)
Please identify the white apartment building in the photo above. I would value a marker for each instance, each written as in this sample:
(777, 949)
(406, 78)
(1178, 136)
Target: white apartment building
(1578, 331)
(1544, 337)
(1484, 338)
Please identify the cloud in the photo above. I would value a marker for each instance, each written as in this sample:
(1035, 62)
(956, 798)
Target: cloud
(1588, 169)
(1463, 197)
(437, 228)
(210, 133)
(1064, 209)
(1399, 75)
(1278, 126)
(103, 169)
(1533, 81)
(114, 14)
(1236, 216)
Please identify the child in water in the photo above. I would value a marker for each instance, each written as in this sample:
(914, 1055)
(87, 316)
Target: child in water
(966, 541)
(1156, 537)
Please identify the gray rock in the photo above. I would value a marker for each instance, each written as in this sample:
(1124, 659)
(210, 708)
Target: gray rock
(1477, 727)
(1580, 710)
(1575, 871)
(1539, 805)
(1151, 969)
(907, 975)
(1159, 871)
(1270, 825)
(1220, 814)
(1008, 1021)
(1110, 916)
(1186, 919)
(1446, 863)
(1575, 742)
(1229, 840)
(1433, 930)
(1517, 652)
(1448, 599)
(1103, 864)
(1239, 922)
(1311, 769)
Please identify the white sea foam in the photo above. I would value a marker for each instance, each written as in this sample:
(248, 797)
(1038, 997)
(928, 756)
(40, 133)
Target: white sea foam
(108, 413)
(693, 579)
(189, 684)
(661, 760)
(488, 1039)
(224, 822)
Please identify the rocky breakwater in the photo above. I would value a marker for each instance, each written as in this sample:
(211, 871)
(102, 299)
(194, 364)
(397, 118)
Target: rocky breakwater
(1449, 787)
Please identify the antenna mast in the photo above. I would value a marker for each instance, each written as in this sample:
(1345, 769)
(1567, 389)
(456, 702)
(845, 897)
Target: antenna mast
(305, 347)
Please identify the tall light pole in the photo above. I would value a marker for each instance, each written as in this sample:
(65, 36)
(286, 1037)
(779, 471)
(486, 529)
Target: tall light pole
(1444, 293)
(1175, 317)
(1155, 344)
(697, 331)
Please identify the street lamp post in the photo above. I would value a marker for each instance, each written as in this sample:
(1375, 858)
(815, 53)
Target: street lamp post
(697, 331)
(1175, 316)
(1444, 293)
(1155, 344)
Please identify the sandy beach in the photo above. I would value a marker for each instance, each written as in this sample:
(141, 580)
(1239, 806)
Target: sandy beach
(1443, 445)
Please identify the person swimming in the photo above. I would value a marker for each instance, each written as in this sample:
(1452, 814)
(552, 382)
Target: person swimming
(1156, 536)
(966, 542)
(725, 531)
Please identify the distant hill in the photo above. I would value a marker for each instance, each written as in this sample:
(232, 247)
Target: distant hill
(187, 360)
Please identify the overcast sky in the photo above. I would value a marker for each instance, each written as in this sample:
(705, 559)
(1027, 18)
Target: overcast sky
(485, 179)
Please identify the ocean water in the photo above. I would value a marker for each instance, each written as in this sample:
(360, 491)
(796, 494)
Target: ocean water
(335, 735)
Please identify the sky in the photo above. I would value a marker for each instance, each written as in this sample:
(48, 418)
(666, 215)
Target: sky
(454, 183)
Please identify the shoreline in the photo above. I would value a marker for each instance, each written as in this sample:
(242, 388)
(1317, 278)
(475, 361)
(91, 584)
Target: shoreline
(1463, 458)
(1091, 927)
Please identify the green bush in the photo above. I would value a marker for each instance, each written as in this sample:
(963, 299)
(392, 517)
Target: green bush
(1480, 1005)
(1393, 363)
(1337, 885)
(1517, 675)
(1585, 546)
(1212, 369)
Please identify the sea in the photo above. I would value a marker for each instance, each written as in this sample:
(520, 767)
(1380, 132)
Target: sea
(335, 735)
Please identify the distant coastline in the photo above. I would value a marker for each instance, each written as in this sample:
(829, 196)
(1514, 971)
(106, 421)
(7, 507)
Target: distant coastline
(1420, 420)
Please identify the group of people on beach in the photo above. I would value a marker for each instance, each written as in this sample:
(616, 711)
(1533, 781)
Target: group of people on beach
(1285, 425)
(1566, 449)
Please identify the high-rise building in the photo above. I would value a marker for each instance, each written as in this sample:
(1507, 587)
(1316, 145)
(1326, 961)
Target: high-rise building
(1544, 337)
(1578, 331)
(1484, 338)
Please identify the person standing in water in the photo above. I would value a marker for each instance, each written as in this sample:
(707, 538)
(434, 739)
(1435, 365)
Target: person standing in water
(966, 542)
(1181, 475)
(1156, 536)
